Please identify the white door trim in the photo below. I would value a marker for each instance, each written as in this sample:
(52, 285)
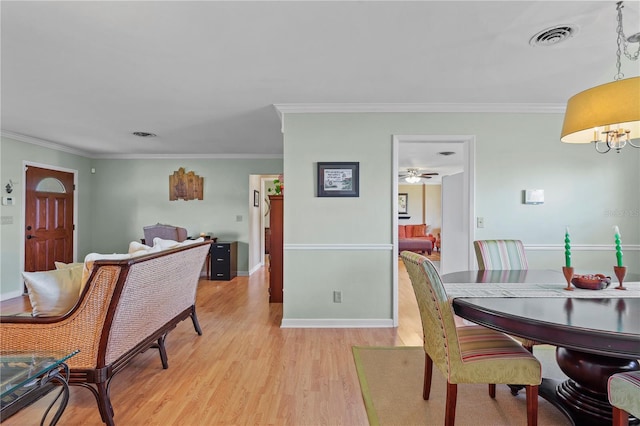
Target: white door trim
(468, 142)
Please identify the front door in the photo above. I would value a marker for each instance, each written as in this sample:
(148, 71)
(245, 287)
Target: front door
(48, 218)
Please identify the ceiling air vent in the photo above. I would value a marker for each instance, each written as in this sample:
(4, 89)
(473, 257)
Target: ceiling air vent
(554, 35)
(144, 134)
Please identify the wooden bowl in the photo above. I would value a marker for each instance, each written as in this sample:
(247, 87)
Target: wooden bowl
(591, 282)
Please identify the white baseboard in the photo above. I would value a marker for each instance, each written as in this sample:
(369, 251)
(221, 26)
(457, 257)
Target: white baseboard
(11, 294)
(336, 323)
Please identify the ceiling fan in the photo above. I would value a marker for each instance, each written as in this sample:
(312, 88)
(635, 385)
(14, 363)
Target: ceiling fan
(414, 175)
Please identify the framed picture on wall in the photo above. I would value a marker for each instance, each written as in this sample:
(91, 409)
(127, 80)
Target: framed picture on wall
(403, 203)
(339, 179)
(256, 198)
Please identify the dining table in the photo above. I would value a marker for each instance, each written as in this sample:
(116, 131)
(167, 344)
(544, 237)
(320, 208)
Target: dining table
(596, 332)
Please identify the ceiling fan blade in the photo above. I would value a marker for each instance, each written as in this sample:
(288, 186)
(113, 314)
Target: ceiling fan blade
(428, 174)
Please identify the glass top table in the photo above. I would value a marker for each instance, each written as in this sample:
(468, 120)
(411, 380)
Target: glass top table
(28, 375)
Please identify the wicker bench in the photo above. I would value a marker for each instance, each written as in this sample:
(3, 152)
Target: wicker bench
(116, 317)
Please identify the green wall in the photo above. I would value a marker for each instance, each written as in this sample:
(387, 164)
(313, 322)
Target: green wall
(13, 154)
(122, 196)
(344, 243)
(138, 195)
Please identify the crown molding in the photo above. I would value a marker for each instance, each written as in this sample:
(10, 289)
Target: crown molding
(43, 143)
(528, 108)
(58, 147)
(187, 156)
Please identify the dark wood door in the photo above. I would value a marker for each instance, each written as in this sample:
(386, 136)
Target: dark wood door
(276, 253)
(48, 218)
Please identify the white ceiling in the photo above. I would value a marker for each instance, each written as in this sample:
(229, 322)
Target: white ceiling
(204, 75)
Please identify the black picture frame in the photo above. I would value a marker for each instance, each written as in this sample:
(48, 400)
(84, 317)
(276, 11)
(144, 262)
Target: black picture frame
(403, 203)
(256, 198)
(338, 179)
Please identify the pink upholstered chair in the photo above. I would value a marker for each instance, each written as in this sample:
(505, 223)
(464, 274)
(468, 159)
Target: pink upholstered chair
(166, 232)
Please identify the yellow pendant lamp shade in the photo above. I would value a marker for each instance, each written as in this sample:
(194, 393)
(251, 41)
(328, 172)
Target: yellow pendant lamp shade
(611, 106)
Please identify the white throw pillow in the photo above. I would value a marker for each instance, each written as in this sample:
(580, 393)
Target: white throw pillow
(164, 244)
(54, 292)
(135, 246)
(92, 257)
(61, 265)
(168, 244)
(150, 250)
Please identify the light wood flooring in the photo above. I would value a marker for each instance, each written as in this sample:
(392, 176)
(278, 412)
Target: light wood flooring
(244, 369)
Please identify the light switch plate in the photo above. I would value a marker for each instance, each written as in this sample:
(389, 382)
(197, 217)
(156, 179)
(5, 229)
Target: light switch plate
(533, 196)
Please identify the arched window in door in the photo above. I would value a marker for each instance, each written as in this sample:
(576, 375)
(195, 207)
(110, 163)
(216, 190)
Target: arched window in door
(51, 185)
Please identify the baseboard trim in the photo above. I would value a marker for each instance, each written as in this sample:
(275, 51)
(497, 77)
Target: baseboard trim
(336, 323)
(11, 295)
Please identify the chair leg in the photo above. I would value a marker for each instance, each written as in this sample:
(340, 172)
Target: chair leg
(194, 319)
(163, 352)
(492, 390)
(532, 405)
(428, 370)
(620, 417)
(104, 403)
(450, 411)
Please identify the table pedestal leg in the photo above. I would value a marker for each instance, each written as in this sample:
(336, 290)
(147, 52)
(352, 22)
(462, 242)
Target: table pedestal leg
(584, 394)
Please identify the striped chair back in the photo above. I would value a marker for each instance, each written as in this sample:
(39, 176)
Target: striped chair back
(500, 254)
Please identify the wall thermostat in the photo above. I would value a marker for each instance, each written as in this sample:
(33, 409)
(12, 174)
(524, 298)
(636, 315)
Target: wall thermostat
(533, 196)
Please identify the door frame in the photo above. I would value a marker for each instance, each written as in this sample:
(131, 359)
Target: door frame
(469, 162)
(23, 220)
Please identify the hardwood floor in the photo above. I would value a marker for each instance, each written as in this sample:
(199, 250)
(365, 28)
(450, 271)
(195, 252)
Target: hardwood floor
(244, 369)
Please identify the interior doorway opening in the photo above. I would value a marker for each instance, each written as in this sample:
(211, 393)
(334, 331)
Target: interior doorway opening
(259, 206)
(457, 195)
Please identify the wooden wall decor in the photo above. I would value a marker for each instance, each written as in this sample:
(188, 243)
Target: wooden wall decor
(185, 186)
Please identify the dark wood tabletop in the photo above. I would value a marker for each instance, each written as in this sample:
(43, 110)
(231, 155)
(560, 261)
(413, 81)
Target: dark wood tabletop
(596, 332)
(608, 326)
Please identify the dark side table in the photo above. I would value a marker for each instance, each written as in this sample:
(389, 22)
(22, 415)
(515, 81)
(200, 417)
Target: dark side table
(224, 260)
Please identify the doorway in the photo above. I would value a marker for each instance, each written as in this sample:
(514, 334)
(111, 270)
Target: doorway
(456, 253)
(259, 186)
(49, 217)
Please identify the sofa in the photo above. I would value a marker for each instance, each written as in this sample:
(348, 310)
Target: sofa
(415, 238)
(128, 304)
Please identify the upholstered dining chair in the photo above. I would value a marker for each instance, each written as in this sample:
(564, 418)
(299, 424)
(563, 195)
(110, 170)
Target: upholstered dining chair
(503, 255)
(624, 395)
(500, 254)
(470, 354)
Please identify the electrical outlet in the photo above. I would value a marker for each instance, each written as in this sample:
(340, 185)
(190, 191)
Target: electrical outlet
(480, 222)
(337, 297)
(7, 220)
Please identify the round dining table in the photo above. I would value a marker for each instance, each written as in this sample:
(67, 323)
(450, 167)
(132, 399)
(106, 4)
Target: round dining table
(596, 333)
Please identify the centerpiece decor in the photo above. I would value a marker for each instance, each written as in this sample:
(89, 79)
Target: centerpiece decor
(620, 270)
(567, 270)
